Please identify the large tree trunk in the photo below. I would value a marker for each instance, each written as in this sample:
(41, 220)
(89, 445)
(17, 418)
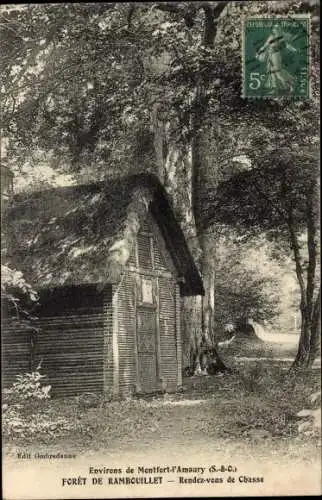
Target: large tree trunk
(174, 168)
(309, 310)
(205, 174)
(202, 176)
(183, 171)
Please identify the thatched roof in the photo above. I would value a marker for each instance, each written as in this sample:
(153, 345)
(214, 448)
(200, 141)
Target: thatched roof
(84, 234)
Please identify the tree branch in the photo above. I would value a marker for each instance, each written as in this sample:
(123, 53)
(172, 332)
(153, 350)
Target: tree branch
(169, 7)
(130, 15)
(297, 255)
(211, 21)
(188, 12)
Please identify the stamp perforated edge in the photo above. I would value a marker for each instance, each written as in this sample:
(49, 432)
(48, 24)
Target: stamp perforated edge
(306, 16)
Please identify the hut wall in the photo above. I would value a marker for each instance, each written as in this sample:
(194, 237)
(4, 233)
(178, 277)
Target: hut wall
(169, 311)
(125, 379)
(178, 307)
(16, 342)
(72, 339)
(168, 333)
(149, 262)
(108, 341)
(70, 343)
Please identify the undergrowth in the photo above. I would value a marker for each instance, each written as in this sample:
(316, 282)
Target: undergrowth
(255, 401)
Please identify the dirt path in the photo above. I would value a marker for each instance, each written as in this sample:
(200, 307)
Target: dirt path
(245, 422)
(186, 433)
(185, 425)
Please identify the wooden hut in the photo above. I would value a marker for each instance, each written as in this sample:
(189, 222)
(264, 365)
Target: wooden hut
(110, 263)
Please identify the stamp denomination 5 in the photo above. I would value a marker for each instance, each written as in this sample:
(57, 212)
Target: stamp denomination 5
(276, 57)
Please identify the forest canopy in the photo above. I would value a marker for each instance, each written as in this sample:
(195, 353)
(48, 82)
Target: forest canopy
(96, 90)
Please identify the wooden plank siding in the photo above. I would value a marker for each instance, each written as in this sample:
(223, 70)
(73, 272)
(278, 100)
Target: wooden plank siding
(71, 339)
(178, 308)
(168, 342)
(126, 314)
(169, 314)
(108, 341)
(69, 342)
(70, 347)
(150, 260)
(15, 351)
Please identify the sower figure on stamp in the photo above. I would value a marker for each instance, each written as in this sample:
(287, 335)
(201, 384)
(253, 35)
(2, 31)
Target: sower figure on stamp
(271, 54)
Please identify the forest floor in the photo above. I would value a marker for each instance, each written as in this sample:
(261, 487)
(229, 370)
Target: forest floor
(248, 416)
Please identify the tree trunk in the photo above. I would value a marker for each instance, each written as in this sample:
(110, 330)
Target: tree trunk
(304, 342)
(311, 245)
(198, 312)
(207, 244)
(192, 333)
(202, 175)
(174, 168)
(309, 321)
(302, 356)
(315, 340)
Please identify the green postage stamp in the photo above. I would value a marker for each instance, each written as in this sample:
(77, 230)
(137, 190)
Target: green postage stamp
(276, 57)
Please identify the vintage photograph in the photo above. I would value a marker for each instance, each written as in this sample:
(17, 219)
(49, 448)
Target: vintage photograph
(160, 272)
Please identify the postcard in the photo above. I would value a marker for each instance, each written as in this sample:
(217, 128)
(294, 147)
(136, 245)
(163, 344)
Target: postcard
(160, 249)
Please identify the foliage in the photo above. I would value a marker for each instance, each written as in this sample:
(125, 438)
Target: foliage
(276, 412)
(223, 409)
(310, 419)
(18, 296)
(18, 425)
(20, 401)
(27, 387)
(27, 412)
(11, 279)
(259, 197)
(280, 196)
(86, 86)
(129, 59)
(80, 81)
(247, 280)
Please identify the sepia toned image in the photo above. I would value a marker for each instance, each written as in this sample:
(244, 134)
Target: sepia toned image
(160, 273)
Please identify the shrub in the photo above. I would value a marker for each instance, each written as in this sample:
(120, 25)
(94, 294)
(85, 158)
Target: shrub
(253, 376)
(310, 419)
(23, 402)
(16, 423)
(27, 387)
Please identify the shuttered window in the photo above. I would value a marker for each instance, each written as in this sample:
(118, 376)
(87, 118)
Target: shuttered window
(144, 251)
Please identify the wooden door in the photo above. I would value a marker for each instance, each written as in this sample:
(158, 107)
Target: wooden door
(147, 348)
